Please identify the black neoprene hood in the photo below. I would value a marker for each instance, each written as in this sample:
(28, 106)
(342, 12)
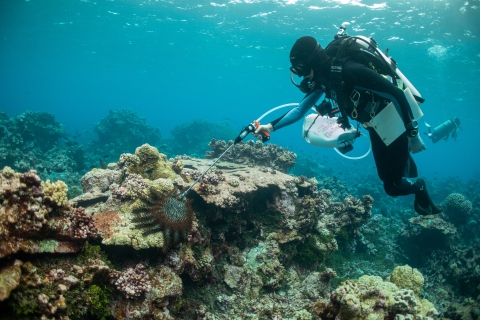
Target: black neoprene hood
(302, 50)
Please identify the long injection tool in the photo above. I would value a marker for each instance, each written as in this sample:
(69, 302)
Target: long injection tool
(245, 131)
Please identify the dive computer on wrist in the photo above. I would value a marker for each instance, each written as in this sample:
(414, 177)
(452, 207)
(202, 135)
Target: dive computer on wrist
(412, 129)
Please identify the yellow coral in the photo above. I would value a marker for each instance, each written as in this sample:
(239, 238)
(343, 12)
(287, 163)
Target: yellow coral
(8, 172)
(407, 278)
(154, 164)
(148, 163)
(56, 192)
(162, 186)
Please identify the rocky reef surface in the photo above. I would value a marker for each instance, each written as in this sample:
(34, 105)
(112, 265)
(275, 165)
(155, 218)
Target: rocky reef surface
(248, 241)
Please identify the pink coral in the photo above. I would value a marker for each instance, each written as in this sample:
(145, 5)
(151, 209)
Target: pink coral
(131, 188)
(132, 282)
(83, 226)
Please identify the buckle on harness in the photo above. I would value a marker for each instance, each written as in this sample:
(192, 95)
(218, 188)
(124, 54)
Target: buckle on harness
(355, 97)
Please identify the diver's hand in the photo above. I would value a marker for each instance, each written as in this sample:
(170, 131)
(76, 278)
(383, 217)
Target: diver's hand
(344, 123)
(263, 127)
(416, 144)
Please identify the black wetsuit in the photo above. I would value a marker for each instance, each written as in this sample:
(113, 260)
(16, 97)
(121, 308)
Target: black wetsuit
(392, 160)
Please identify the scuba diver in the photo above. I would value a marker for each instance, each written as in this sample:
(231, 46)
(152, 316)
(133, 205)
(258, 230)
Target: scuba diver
(443, 131)
(359, 92)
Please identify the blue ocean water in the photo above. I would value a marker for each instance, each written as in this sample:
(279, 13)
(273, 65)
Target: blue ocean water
(172, 61)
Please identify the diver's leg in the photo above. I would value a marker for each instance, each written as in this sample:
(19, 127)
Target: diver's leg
(391, 162)
(387, 160)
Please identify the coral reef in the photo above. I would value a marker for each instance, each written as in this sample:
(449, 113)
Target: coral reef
(35, 217)
(55, 192)
(134, 202)
(421, 236)
(261, 244)
(338, 187)
(36, 141)
(458, 208)
(148, 163)
(63, 288)
(192, 138)
(258, 272)
(253, 153)
(133, 282)
(122, 131)
(39, 129)
(463, 268)
(373, 298)
(407, 278)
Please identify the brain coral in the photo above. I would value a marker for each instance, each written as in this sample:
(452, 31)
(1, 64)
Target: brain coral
(458, 207)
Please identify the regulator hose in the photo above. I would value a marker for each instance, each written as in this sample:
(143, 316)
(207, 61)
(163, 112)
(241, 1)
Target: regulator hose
(296, 104)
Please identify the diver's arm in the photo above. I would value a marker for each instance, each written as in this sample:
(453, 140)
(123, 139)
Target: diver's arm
(298, 112)
(365, 78)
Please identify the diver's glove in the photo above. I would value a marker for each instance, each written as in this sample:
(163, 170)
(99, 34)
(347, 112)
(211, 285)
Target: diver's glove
(344, 123)
(263, 127)
(416, 144)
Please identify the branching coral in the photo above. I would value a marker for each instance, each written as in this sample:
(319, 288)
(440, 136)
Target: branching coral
(83, 226)
(132, 282)
(56, 192)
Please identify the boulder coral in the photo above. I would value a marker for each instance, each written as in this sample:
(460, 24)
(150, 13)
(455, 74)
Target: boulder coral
(408, 278)
(458, 208)
(147, 162)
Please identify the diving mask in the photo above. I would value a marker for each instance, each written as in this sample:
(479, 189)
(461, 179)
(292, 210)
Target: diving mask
(307, 83)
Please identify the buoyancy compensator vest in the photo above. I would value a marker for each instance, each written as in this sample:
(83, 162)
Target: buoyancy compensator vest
(365, 51)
